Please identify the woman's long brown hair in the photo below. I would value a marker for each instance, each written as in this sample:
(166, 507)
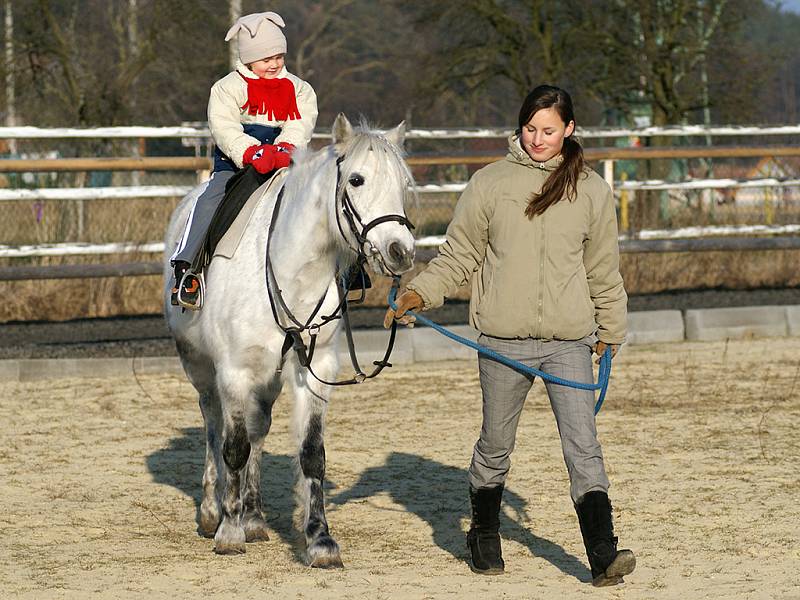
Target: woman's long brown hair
(563, 182)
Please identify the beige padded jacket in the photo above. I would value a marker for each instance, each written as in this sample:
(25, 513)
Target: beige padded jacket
(225, 117)
(555, 277)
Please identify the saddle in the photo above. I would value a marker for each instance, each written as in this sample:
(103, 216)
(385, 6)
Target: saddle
(238, 191)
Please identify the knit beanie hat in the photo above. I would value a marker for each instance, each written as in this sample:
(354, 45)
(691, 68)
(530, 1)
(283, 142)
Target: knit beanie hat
(259, 36)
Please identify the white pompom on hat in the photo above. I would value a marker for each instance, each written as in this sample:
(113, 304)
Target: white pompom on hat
(259, 36)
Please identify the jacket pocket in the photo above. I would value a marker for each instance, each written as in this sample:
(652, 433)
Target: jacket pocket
(576, 310)
(484, 289)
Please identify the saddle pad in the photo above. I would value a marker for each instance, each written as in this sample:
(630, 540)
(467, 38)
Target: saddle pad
(229, 242)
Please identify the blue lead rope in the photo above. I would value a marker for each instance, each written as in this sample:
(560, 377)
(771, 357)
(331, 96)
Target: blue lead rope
(602, 378)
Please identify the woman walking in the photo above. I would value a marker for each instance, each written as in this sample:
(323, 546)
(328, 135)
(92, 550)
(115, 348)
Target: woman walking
(536, 235)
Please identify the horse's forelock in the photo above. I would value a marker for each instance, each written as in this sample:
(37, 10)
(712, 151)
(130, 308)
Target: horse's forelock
(365, 140)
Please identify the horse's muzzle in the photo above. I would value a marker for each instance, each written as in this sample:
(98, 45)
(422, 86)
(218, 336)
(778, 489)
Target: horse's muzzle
(400, 258)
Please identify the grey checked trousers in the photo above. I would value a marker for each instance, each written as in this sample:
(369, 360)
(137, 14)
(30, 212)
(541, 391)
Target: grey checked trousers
(504, 392)
(194, 235)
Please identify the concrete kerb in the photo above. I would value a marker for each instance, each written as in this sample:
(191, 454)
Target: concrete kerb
(793, 320)
(37, 369)
(715, 324)
(430, 345)
(655, 326)
(422, 344)
(10, 370)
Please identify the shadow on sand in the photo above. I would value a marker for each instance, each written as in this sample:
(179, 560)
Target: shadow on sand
(435, 492)
(438, 495)
(181, 466)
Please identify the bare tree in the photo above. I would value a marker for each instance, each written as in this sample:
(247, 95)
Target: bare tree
(667, 42)
(90, 62)
(10, 79)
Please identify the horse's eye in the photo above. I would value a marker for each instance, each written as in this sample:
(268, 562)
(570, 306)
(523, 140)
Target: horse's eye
(356, 180)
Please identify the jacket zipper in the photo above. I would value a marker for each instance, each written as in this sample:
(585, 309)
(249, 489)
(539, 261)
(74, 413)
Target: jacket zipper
(539, 310)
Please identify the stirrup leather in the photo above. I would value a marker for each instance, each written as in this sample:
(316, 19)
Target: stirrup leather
(198, 304)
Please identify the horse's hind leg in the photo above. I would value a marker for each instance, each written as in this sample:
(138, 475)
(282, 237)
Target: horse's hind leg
(311, 399)
(209, 506)
(258, 424)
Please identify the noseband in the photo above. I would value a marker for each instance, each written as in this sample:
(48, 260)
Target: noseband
(293, 333)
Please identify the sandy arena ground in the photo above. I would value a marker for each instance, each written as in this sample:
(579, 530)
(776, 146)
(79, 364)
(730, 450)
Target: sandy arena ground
(100, 483)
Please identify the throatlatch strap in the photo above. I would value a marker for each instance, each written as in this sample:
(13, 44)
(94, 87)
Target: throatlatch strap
(287, 345)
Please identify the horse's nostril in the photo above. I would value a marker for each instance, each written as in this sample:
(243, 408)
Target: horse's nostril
(397, 252)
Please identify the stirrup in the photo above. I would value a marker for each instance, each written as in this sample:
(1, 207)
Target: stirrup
(188, 304)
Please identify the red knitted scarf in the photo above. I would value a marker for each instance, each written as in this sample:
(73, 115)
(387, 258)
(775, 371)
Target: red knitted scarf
(272, 97)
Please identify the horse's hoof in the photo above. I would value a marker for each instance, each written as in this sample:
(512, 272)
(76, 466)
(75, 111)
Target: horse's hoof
(206, 533)
(228, 549)
(324, 554)
(255, 529)
(327, 562)
(229, 539)
(208, 523)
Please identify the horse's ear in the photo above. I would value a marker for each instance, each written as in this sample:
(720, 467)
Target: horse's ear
(397, 135)
(342, 130)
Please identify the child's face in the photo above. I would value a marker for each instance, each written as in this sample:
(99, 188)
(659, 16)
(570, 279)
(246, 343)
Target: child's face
(268, 68)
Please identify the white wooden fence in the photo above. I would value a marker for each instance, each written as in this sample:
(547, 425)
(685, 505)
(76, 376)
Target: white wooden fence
(202, 133)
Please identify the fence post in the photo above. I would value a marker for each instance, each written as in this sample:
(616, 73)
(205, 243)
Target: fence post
(624, 221)
(138, 149)
(81, 220)
(769, 210)
(608, 173)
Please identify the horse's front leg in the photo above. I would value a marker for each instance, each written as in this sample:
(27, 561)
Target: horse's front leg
(258, 424)
(235, 390)
(311, 401)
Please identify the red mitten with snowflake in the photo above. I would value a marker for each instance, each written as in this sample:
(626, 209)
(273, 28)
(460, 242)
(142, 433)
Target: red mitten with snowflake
(283, 154)
(261, 157)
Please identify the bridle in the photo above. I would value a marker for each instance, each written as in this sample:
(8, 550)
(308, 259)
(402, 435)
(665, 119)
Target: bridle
(352, 217)
(359, 230)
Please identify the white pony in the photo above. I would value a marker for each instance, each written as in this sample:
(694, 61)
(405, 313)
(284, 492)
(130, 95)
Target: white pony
(233, 349)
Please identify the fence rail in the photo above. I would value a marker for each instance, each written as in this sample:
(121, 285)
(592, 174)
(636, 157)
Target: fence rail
(80, 271)
(688, 233)
(177, 191)
(731, 239)
(98, 193)
(417, 133)
(423, 254)
(144, 163)
(192, 163)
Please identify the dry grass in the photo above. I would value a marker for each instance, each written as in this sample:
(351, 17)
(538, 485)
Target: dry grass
(649, 273)
(103, 221)
(63, 299)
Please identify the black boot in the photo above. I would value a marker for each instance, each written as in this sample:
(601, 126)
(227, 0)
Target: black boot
(608, 564)
(180, 268)
(187, 288)
(483, 538)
